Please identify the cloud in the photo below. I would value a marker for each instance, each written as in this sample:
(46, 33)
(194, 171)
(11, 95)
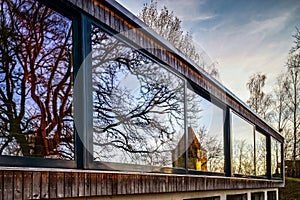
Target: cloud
(198, 18)
(188, 11)
(265, 27)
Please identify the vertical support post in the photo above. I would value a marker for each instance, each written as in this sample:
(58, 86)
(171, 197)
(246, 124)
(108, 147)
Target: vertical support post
(277, 194)
(255, 156)
(186, 145)
(282, 168)
(77, 60)
(83, 91)
(269, 159)
(248, 195)
(265, 194)
(227, 141)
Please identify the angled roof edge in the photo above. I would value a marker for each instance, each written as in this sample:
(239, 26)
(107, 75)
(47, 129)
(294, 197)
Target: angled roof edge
(170, 47)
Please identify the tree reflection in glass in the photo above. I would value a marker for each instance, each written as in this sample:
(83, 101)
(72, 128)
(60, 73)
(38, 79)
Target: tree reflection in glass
(275, 158)
(35, 81)
(260, 154)
(138, 115)
(205, 134)
(242, 146)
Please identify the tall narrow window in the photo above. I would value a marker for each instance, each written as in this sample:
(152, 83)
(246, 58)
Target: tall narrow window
(276, 158)
(260, 154)
(36, 116)
(272, 195)
(205, 134)
(138, 115)
(243, 146)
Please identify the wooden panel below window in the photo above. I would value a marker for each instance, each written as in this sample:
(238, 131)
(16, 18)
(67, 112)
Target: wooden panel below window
(45, 183)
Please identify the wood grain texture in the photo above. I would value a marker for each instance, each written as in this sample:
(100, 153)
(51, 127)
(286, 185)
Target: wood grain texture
(52, 184)
(27, 185)
(18, 185)
(45, 185)
(36, 185)
(68, 181)
(8, 185)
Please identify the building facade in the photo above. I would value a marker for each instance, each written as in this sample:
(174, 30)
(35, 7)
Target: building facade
(94, 105)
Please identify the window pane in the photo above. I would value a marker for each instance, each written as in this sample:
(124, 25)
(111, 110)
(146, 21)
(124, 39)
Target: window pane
(206, 198)
(138, 115)
(260, 154)
(258, 196)
(243, 146)
(272, 195)
(236, 197)
(275, 158)
(36, 117)
(205, 134)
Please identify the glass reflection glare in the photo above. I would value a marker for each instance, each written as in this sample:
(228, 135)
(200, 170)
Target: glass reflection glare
(205, 134)
(138, 115)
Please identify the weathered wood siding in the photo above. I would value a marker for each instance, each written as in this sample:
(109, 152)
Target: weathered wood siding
(126, 25)
(50, 184)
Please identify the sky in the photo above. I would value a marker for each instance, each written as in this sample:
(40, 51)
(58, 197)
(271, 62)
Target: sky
(244, 37)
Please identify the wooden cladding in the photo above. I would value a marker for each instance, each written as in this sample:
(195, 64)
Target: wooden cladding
(48, 184)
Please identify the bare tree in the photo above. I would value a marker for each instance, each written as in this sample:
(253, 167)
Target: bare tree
(243, 157)
(166, 24)
(280, 115)
(258, 100)
(293, 92)
(260, 154)
(35, 79)
(138, 105)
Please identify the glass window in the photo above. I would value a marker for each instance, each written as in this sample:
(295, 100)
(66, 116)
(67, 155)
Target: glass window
(36, 117)
(275, 158)
(272, 195)
(258, 196)
(138, 115)
(242, 146)
(206, 198)
(236, 197)
(205, 134)
(260, 154)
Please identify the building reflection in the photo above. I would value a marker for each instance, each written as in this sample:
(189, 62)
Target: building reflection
(197, 155)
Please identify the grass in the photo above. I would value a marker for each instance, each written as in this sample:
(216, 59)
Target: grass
(291, 191)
